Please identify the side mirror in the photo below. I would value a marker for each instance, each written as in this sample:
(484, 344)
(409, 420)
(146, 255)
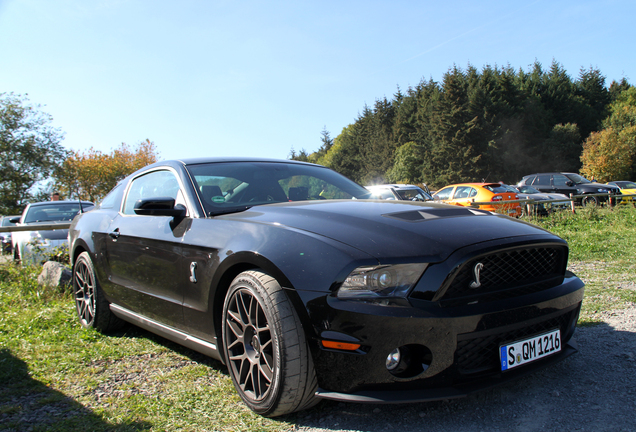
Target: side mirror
(15, 220)
(569, 183)
(159, 206)
(436, 198)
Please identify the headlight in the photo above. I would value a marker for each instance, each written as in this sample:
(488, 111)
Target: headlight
(381, 281)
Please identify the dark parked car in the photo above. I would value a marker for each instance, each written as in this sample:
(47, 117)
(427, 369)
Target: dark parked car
(5, 237)
(305, 289)
(570, 183)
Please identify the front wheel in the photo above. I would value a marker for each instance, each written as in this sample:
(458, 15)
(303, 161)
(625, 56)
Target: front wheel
(92, 307)
(590, 201)
(265, 347)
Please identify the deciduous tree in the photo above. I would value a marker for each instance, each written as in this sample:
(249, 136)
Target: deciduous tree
(91, 175)
(30, 149)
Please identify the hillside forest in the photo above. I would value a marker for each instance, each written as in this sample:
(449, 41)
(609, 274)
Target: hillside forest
(493, 124)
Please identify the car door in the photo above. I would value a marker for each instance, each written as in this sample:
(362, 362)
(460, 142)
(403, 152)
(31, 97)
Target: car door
(144, 253)
(463, 196)
(562, 184)
(444, 194)
(543, 182)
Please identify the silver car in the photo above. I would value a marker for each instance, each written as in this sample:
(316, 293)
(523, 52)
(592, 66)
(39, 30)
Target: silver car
(32, 246)
(403, 192)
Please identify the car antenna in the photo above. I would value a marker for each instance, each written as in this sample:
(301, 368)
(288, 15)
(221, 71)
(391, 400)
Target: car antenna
(80, 204)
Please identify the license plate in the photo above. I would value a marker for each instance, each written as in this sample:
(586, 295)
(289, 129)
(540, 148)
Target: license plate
(529, 350)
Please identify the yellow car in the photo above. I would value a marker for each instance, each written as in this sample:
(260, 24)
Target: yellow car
(464, 194)
(627, 188)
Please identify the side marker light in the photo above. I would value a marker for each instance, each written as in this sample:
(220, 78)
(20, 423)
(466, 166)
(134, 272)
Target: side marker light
(340, 345)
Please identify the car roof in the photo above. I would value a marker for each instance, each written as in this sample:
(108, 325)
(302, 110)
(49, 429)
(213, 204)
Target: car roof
(552, 172)
(394, 186)
(471, 184)
(204, 160)
(44, 203)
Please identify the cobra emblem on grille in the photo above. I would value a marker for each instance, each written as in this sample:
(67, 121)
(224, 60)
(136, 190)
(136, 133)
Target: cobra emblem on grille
(476, 272)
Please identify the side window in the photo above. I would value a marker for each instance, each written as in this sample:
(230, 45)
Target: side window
(154, 184)
(462, 192)
(112, 199)
(560, 180)
(445, 193)
(542, 180)
(527, 180)
(473, 193)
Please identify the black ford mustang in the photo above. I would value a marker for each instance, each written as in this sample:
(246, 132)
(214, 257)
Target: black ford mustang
(305, 289)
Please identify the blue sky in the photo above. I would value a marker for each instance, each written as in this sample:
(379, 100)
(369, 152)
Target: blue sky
(258, 78)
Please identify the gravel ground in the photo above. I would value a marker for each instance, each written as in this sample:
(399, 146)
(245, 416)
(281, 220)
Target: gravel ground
(594, 390)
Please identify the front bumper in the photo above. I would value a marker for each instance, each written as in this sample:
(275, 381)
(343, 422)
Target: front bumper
(461, 344)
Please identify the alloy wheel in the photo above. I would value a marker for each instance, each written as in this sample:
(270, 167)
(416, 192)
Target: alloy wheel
(249, 345)
(84, 293)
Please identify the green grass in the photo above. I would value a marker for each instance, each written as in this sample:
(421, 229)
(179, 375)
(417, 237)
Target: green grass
(602, 250)
(57, 376)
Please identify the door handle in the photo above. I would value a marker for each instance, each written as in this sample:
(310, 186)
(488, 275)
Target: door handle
(114, 234)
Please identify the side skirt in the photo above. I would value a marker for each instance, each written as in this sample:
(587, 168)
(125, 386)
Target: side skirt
(204, 347)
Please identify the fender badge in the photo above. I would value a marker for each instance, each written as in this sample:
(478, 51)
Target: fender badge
(477, 272)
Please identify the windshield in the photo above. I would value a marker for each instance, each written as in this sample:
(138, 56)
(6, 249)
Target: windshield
(577, 179)
(528, 190)
(626, 185)
(510, 188)
(415, 194)
(54, 212)
(236, 186)
(496, 188)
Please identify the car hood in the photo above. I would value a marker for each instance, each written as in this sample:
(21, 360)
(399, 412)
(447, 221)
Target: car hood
(537, 197)
(547, 196)
(393, 229)
(596, 186)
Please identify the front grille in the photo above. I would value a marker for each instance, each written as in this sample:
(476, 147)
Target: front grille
(506, 274)
(479, 354)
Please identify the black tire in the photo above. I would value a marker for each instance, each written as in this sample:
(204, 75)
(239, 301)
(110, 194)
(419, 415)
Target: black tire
(16, 255)
(265, 348)
(590, 201)
(92, 307)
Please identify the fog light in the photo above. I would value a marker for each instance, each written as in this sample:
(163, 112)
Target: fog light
(393, 359)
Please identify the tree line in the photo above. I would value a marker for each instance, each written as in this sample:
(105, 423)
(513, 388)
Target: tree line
(493, 124)
(34, 164)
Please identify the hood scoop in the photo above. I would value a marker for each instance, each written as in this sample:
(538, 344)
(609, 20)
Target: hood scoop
(429, 214)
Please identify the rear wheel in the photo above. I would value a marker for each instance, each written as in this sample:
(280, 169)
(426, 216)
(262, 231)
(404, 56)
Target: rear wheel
(265, 347)
(92, 307)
